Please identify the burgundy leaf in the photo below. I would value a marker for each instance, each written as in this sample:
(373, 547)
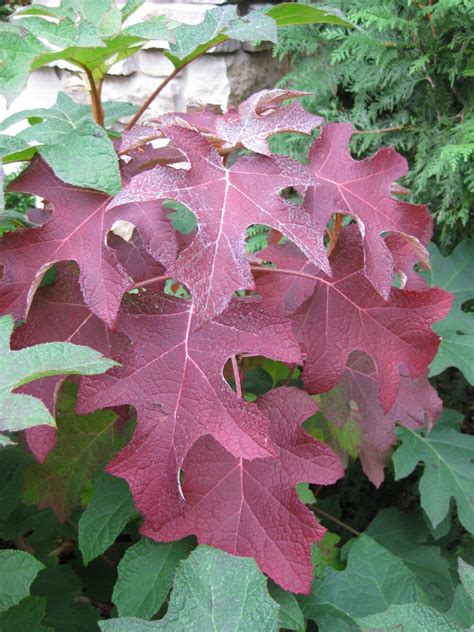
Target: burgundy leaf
(256, 119)
(173, 376)
(362, 189)
(225, 202)
(76, 231)
(58, 314)
(251, 508)
(346, 314)
(284, 293)
(416, 402)
(405, 257)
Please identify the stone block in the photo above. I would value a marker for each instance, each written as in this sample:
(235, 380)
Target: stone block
(205, 82)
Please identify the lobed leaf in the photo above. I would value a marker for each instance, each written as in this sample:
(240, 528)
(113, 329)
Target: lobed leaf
(448, 472)
(212, 590)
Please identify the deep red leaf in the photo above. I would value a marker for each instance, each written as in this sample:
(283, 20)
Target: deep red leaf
(77, 231)
(251, 508)
(173, 377)
(226, 201)
(257, 118)
(363, 189)
(58, 313)
(346, 314)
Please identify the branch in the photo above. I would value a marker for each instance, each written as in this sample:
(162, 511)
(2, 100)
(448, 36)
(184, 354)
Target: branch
(154, 94)
(336, 520)
(97, 109)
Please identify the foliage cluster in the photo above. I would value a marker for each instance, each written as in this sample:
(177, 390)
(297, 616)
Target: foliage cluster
(265, 450)
(403, 77)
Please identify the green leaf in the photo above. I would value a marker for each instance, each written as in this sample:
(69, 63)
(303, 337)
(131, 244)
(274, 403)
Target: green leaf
(289, 14)
(85, 443)
(67, 137)
(12, 463)
(448, 468)
(130, 7)
(409, 617)
(155, 28)
(218, 25)
(373, 579)
(466, 573)
(290, 615)
(212, 591)
(18, 411)
(63, 34)
(107, 513)
(405, 536)
(462, 610)
(70, 137)
(17, 572)
(110, 23)
(145, 576)
(66, 609)
(27, 615)
(305, 494)
(454, 274)
(18, 49)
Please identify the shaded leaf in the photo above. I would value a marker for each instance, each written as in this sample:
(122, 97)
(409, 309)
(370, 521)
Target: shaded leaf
(109, 509)
(84, 445)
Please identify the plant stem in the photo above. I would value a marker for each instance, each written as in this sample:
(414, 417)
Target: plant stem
(148, 282)
(336, 520)
(381, 131)
(154, 94)
(235, 369)
(97, 109)
(304, 275)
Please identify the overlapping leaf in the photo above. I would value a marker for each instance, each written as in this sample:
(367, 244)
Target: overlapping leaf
(89, 35)
(58, 313)
(356, 397)
(219, 24)
(257, 118)
(76, 231)
(226, 201)
(251, 508)
(17, 368)
(172, 375)
(85, 443)
(346, 314)
(362, 189)
(212, 590)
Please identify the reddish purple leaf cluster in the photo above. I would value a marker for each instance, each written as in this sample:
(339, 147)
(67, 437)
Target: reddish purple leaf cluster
(329, 307)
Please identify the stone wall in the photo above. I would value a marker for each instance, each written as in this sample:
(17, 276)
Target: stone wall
(224, 76)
